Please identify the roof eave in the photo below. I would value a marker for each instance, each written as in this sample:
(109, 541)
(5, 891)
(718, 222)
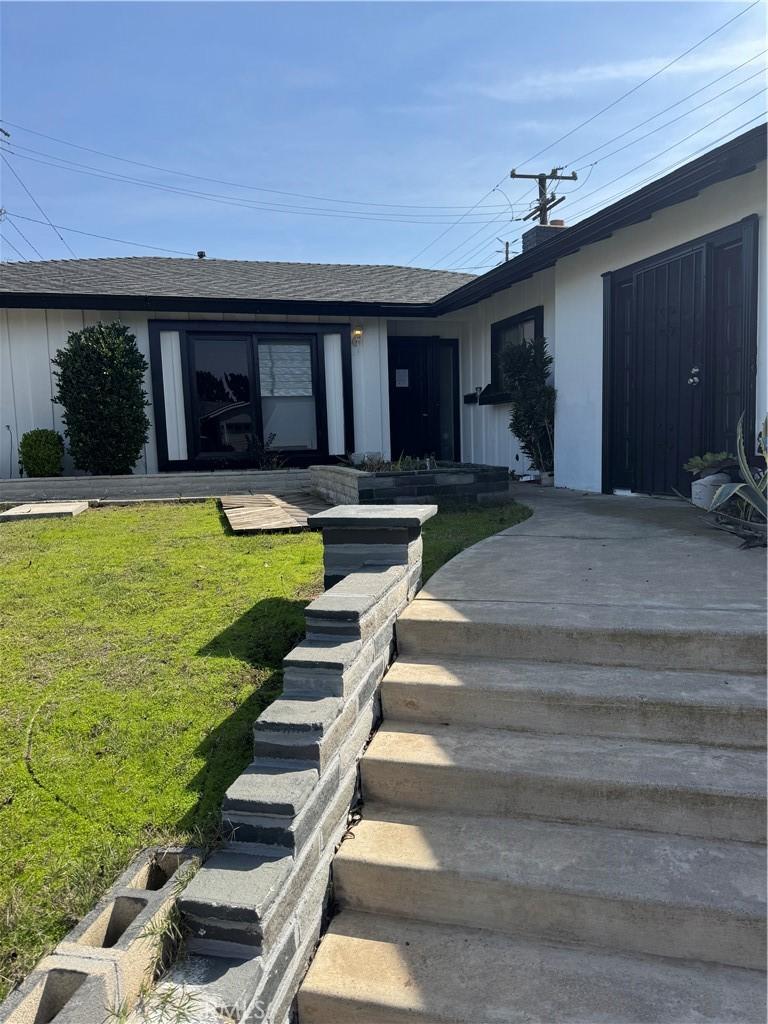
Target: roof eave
(165, 303)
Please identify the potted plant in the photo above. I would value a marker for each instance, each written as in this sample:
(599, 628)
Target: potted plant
(742, 507)
(709, 474)
(526, 368)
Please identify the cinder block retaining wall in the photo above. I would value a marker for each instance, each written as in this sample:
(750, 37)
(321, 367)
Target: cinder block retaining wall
(348, 486)
(155, 486)
(261, 899)
(103, 963)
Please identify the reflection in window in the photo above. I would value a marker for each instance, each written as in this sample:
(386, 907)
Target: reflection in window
(502, 336)
(223, 386)
(287, 402)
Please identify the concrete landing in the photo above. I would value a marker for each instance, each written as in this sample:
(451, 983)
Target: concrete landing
(44, 510)
(633, 566)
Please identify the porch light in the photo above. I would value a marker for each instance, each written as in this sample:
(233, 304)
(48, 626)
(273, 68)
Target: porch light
(357, 334)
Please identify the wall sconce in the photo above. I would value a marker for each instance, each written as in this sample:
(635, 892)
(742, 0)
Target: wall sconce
(357, 335)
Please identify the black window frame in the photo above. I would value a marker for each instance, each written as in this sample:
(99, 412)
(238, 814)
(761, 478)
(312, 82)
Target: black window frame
(188, 330)
(493, 393)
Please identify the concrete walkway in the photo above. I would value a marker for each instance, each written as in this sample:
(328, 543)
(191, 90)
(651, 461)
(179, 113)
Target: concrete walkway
(634, 566)
(564, 806)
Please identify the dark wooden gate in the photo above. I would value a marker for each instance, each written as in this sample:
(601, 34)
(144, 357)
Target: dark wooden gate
(680, 359)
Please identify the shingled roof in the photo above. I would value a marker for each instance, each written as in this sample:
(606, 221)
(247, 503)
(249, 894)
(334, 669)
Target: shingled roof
(229, 279)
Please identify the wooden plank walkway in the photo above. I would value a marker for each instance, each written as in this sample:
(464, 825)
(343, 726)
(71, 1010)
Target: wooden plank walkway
(268, 513)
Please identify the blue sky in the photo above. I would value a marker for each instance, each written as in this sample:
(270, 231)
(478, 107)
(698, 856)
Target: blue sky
(418, 107)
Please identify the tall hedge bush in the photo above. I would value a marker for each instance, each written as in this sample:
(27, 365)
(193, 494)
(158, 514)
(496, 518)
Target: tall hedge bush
(100, 379)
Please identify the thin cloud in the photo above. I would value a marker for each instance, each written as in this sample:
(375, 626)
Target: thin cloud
(544, 85)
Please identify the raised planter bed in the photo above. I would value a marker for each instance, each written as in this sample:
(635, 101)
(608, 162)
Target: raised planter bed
(345, 485)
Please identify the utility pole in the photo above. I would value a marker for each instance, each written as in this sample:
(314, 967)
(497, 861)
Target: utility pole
(545, 203)
(506, 249)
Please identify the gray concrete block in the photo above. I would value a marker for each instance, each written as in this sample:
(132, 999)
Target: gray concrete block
(62, 989)
(303, 678)
(365, 515)
(218, 986)
(298, 716)
(271, 787)
(235, 888)
(291, 833)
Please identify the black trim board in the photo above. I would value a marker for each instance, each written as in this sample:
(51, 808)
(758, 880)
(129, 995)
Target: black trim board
(492, 393)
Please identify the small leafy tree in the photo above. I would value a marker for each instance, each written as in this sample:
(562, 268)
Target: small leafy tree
(100, 380)
(41, 452)
(526, 367)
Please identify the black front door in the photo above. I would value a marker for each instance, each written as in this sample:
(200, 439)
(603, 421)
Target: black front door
(680, 360)
(423, 397)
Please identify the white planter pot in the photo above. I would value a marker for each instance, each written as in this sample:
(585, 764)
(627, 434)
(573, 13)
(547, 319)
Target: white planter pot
(546, 479)
(703, 491)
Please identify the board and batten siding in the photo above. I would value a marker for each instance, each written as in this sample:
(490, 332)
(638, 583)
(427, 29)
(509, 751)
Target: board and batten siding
(29, 338)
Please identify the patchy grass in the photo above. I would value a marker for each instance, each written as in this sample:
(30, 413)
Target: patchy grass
(137, 645)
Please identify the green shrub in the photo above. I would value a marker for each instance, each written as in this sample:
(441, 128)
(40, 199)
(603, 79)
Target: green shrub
(100, 380)
(40, 453)
(525, 367)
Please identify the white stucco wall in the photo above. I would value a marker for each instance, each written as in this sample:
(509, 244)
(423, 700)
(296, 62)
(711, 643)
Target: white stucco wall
(485, 433)
(579, 314)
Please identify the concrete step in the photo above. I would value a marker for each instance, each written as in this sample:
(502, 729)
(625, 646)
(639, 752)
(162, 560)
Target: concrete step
(635, 892)
(679, 789)
(687, 707)
(380, 970)
(711, 640)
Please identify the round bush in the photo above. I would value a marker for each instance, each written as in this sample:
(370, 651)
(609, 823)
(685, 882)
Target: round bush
(40, 453)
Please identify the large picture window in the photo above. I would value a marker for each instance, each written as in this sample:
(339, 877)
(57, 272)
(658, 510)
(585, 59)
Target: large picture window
(526, 325)
(225, 392)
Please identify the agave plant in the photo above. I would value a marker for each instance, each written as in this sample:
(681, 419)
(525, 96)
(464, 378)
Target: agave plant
(751, 490)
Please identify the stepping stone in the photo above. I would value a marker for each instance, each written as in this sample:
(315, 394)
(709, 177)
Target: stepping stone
(44, 510)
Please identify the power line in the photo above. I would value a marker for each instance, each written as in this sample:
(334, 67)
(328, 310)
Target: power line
(106, 238)
(603, 110)
(660, 174)
(674, 145)
(231, 184)
(9, 243)
(76, 168)
(20, 232)
(640, 85)
(605, 202)
(639, 139)
(674, 120)
(13, 171)
(732, 71)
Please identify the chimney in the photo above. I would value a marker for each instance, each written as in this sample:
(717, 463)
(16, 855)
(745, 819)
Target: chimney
(541, 233)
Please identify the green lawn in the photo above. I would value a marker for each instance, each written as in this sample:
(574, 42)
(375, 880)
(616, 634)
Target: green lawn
(137, 645)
